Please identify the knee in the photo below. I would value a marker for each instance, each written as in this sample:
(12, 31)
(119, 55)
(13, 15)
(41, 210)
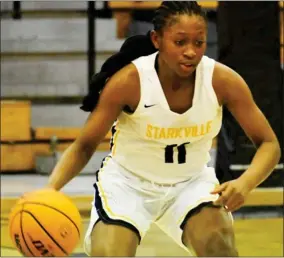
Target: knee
(220, 242)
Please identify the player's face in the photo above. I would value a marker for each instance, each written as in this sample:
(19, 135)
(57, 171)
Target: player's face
(183, 43)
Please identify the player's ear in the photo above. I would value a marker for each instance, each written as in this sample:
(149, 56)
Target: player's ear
(155, 38)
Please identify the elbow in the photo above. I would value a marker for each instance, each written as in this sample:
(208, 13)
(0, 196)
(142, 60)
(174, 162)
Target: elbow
(278, 152)
(85, 148)
(273, 149)
(88, 150)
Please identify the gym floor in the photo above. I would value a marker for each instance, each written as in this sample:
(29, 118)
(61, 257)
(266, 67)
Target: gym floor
(259, 234)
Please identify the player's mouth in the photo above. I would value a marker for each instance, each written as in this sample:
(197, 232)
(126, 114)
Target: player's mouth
(187, 67)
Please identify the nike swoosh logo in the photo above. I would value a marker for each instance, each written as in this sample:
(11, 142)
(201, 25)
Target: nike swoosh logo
(148, 106)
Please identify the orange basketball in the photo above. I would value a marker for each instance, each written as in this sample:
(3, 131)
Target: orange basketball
(45, 223)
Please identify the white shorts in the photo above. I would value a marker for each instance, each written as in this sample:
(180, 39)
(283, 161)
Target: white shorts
(125, 199)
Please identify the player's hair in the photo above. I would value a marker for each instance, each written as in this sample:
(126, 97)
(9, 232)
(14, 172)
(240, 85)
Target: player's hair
(137, 46)
(165, 14)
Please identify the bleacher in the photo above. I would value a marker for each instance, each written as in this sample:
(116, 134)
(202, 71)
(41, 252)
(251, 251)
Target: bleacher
(44, 59)
(46, 55)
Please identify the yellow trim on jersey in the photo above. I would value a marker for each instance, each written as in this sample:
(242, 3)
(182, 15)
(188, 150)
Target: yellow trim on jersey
(114, 142)
(207, 199)
(105, 202)
(114, 139)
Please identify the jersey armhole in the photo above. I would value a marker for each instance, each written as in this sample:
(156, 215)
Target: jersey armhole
(213, 93)
(127, 110)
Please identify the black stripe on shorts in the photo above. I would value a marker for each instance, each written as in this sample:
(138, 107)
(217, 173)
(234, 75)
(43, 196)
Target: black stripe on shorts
(195, 211)
(106, 219)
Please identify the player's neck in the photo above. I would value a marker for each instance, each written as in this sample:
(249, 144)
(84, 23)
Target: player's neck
(169, 79)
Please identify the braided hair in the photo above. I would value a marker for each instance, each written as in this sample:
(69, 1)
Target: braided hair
(169, 9)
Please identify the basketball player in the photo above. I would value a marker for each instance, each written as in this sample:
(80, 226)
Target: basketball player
(164, 109)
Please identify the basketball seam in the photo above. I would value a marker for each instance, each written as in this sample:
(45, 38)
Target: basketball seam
(38, 203)
(46, 231)
(12, 220)
(21, 225)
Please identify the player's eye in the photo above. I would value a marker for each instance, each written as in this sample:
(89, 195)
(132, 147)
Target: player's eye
(199, 43)
(180, 42)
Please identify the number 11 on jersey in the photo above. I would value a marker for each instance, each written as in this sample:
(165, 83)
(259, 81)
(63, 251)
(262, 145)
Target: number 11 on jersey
(169, 153)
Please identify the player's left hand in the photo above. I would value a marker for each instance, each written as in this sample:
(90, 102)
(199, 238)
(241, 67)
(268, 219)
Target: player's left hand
(232, 194)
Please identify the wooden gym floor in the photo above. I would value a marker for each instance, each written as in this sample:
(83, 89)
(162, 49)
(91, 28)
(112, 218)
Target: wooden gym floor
(255, 236)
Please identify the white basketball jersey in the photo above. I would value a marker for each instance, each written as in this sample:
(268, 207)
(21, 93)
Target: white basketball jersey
(158, 144)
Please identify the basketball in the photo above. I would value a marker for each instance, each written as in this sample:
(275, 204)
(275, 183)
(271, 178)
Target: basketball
(45, 223)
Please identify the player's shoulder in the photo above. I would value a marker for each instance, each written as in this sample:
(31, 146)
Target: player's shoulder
(128, 75)
(223, 73)
(123, 86)
(125, 80)
(225, 81)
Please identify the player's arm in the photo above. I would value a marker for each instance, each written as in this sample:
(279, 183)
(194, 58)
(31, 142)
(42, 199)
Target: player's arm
(118, 93)
(233, 92)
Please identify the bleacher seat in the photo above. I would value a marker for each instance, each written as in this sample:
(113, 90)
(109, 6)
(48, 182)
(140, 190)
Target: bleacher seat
(49, 5)
(56, 35)
(49, 57)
